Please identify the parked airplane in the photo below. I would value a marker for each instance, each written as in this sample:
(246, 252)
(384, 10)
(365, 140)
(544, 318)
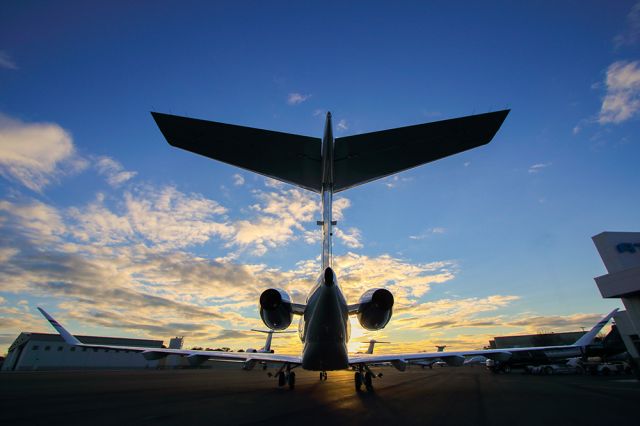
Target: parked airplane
(430, 363)
(325, 166)
(372, 344)
(266, 349)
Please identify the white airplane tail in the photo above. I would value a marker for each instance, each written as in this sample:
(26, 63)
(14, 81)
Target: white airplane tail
(587, 339)
(68, 337)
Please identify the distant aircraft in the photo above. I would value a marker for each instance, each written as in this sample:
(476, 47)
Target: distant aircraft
(266, 349)
(476, 360)
(372, 344)
(430, 363)
(325, 166)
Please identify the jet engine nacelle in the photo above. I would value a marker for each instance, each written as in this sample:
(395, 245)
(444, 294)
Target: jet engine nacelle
(275, 309)
(454, 361)
(375, 308)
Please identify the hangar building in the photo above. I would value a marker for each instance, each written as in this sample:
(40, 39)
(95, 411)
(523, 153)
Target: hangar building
(43, 351)
(535, 340)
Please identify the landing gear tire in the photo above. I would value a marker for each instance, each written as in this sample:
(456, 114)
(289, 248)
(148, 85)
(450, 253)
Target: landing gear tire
(323, 375)
(358, 380)
(368, 378)
(292, 380)
(506, 369)
(281, 379)
(264, 367)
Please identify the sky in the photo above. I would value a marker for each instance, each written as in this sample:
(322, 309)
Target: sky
(116, 233)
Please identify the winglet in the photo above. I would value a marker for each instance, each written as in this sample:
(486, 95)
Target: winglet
(587, 339)
(68, 337)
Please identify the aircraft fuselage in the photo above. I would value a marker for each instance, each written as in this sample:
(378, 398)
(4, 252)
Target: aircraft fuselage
(324, 327)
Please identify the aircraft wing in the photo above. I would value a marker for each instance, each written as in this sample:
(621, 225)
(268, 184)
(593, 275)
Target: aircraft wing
(400, 361)
(362, 158)
(287, 157)
(195, 357)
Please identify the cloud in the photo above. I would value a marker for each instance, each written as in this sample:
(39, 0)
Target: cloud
(537, 168)
(297, 98)
(350, 238)
(318, 112)
(35, 154)
(429, 232)
(273, 183)
(631, 35)
(232, 334)
(123, 262)
(407, 280)
(35, 221)
(169, 218)
(454, 313)
(281, 213)
(113, 171)
(395, 181)
(6, 61)
(342, 125)
(238, 179)
(536, 323)
(149, 291)
(622, 100)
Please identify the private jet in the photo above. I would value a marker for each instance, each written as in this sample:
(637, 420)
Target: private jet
(327, 166)
(266, 349)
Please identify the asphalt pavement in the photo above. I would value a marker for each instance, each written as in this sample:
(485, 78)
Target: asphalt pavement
(229, 396)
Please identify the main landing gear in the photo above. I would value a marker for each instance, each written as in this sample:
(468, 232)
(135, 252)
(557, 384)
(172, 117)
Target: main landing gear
(286, 377)
(364, 376)
(323, 375)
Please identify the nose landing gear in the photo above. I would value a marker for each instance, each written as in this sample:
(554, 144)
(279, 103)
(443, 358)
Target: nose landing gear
(323, 375)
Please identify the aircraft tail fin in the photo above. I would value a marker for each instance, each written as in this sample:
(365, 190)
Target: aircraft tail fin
(366, 157)
(287, 157)
(587, 339)
(68, 337)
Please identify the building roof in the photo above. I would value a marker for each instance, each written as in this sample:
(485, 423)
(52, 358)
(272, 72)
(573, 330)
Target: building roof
(27, 336)
(534, 340)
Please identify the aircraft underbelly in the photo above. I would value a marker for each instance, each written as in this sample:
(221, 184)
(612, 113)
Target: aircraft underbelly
(325, 340)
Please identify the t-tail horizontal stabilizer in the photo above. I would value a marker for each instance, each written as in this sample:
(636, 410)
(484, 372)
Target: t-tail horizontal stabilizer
(68, 337)
(357, 159)
(294, 159)
(587, 338)
(366, 157)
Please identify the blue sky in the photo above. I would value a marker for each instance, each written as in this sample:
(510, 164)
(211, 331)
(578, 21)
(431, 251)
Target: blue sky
(120, 234)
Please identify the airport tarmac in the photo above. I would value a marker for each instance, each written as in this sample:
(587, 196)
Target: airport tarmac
(228, 396)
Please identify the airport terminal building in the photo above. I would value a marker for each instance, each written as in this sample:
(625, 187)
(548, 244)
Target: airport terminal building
(620, 253)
